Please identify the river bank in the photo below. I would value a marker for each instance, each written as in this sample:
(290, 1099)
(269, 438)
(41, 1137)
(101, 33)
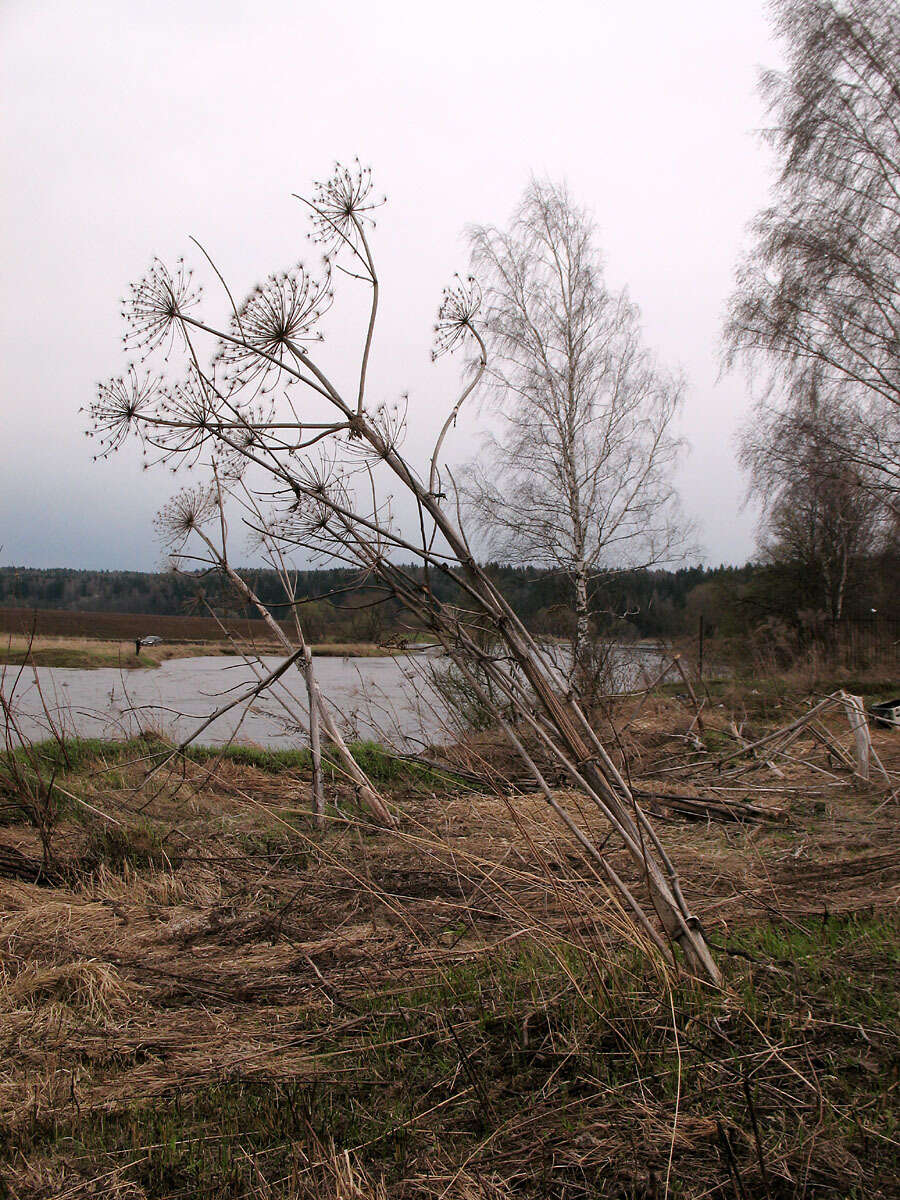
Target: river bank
(89, 654)
(207, 995)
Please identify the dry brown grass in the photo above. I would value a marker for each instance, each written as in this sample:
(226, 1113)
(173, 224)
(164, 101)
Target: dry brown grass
(86, 985)
(54, 1180)
(151, 998)
(164, 888)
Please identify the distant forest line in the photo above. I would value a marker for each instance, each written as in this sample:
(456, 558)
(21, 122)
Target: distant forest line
(338, 604)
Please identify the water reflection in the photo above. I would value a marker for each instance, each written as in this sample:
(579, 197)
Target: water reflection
(381, 698)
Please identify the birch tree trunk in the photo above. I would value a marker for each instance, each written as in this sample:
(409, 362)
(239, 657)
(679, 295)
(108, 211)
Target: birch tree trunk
(582, 624)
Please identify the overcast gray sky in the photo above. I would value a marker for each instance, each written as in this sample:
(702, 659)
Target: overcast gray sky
(130, 125)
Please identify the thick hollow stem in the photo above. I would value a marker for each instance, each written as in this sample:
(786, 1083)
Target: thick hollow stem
(315, 746)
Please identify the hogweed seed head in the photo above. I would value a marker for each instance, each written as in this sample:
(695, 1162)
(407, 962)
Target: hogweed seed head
(119, 408)
(319, 484)
(189, 510)
(274, 320)
(156, 305)
(389, 424)
(187, 417)
(341, 203)
(460, 305)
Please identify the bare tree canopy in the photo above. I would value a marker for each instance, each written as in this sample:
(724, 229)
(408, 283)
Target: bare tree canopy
(820, 285)
(817, 299)
(579, 476)
(820, 513)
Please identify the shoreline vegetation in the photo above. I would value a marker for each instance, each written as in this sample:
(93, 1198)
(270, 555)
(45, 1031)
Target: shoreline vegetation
(83, 653)
(202, 993)
(95, 653)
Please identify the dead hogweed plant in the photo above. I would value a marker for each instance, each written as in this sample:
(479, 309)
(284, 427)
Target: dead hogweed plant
(256, 405)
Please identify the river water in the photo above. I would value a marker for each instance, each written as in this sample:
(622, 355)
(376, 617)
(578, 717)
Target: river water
(386, 699)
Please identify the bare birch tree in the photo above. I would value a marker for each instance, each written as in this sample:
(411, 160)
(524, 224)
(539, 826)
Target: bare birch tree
(819, 291)
(820, 512)
(321, 460)
(579, 476)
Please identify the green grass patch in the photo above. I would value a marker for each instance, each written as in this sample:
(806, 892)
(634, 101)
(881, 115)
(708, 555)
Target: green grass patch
(273, 761)
(557, 1069)
(717, 741)
(77, 659)
(140, 846)
(384, 768)
(75, 754)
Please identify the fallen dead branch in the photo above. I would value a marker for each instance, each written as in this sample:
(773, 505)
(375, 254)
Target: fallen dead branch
(765, 750)
(700, 808)
(16, 865)
(690, 807)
